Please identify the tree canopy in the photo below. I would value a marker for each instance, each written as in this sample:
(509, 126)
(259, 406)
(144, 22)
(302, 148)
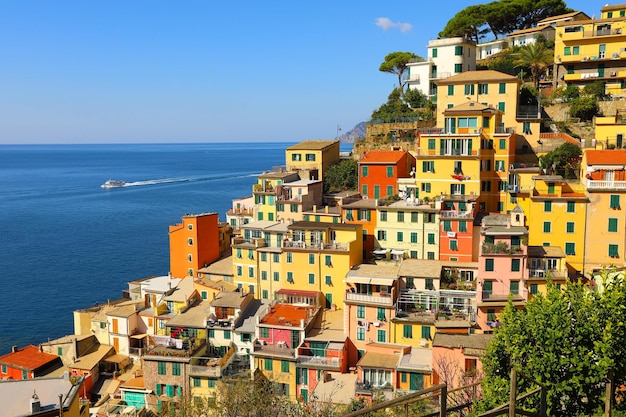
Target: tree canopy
(501, 17)
(571, 340)
(396, 63)
(537, 58)
(342, 176)
(563, 159)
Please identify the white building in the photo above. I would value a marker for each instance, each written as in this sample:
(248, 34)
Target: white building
(446, 57)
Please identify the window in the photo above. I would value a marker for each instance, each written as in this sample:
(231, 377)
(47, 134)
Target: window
(434, 52)
(426, 332)
(567, 51)
(310, 157)
(264, 275)
(614, 251)
(380, 313)
(458, 50)
(502, 144)
(569, 227)
(197, 382)
(469, 89)
(328, 260)
(329, 280)
(450, 93)
(547, 227)
(360, 333)
(547, 206)
(251, 272)
(425, 187)
(462, 226)
(502, 88)
(360, 312)
(414, 217)
(407, 331)
(364, 189)
(489, 264)
(382, 235)
(514, 287)
(382, 336)
(390, 190)
(265, 294)
(176, 369)
(570, 248)
(483, 88)
(533, 289)
(400, 216)
(284, 366)
(276, 276)
(550, 188)
(413, 237)
(614, 202)
(458, 68)
(432, 143)
(161, 368)
(264, 332)
(311, 279)
(612, 224)
(431, 238)
(383, 216)
(364, 170)
(430, 255)
(491, 315)
(400, 236)
(501, 106)
(454, 244)
(447, 226)
(263, 257)
(389, 172)
(296, 157)
(289, 257)
(428, 166)
(268, 365)
(515, 265)
(311, 259)
(499, 165)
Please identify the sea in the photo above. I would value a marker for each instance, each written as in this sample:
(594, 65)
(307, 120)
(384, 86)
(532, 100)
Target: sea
(66, 243)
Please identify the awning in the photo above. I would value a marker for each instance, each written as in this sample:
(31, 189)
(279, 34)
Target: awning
(372, 281)
(397, 252)
(139, 336)
(380, 251)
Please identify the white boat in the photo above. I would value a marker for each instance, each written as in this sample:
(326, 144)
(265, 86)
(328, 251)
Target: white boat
(113, 184)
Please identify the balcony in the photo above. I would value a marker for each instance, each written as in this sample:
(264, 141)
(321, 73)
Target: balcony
(501, 248)
(376, 298)
(320, 362)
(277, 350)
(606, 185)
(205, 371)
(504, 296)
(170, 349)
(456, 214)
(300, 244)
(264, 188)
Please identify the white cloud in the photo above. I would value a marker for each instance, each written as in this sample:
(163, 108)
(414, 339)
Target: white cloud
(386, 24)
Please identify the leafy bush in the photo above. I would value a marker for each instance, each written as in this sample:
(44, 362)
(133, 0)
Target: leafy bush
(584, 107)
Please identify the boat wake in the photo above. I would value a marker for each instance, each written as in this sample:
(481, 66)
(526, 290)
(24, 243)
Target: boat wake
(188, 179)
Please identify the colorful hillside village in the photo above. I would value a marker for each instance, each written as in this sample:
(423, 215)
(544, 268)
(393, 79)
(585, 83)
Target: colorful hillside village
(391, 288)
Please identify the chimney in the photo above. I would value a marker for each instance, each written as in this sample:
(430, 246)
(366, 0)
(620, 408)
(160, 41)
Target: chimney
(35, 404)
(14, 349)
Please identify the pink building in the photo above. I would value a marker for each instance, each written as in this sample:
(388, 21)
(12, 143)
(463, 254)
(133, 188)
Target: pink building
(502, 269)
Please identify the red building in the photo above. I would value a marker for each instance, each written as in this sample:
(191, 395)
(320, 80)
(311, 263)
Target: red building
(27, 363)
(379, 172)
(457, 235)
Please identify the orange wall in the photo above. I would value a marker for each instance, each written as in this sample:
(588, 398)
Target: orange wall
(204, 249)
(464, 241)
(13, 373)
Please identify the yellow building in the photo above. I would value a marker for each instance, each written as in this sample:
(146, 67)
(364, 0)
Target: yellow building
(520, 185)
(593, 50)
(312, 157)
(610, 131)
(545, 262)
(408, 230)
(317, 257)
(557, 216)
(604, 174)
(266, 192)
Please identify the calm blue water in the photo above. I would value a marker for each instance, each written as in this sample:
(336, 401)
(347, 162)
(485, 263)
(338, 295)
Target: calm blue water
(66, 243)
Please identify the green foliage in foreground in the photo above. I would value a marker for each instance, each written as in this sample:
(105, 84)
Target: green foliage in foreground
(342, 176)
(569, 340)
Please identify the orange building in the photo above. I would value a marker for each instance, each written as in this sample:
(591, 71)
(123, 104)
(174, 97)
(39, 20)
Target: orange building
(362, 212)
(194, 243)
(379, 172)
(28, 362)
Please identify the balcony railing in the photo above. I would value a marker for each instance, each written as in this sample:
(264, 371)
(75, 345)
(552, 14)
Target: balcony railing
(608, 185)
(280, 350)
(260, 188)
(300, 244)
(501, 248)
(206, 371)
(320, 361)
(503, 296)
(456, 214)
(381, 298)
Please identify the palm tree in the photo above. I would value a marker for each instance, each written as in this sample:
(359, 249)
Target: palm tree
(536, 57)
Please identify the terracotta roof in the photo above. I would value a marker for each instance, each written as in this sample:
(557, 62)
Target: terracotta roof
(460, 341)
(470, 106)
(529, 30)
(475, 76)
(28, 358)
(610, 7)
(606, 157)
(136, 383)
(559, 17)
(312, 145)
(287, 315)
(382, 157)
(545, 252)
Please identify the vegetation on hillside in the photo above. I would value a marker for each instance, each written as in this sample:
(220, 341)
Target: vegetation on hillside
(563, 161)
(571, 340)
(396, 63)
(342, 176)
(501, 17)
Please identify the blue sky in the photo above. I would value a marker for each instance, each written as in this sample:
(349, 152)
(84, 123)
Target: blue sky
(202, 71)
